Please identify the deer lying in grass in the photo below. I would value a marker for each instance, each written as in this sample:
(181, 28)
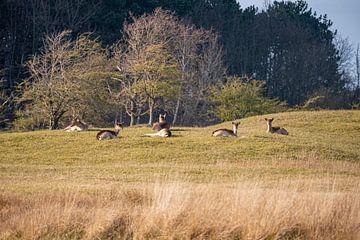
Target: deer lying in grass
(272, 129)
(76, 125)
(165, 132)
(162, 124)
(227, 132)
(108, 134)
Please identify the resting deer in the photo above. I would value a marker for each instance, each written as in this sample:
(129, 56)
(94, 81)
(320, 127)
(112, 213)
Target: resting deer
(161, 124)
(162, 133)
(108, 134)
(272, 129)
(76, 125)
(227, 132)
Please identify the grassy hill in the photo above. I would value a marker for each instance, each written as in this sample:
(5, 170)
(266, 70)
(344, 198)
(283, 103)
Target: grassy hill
(74, 171)
(319, 144)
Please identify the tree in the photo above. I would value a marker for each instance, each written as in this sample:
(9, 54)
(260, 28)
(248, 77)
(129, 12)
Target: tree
(145, 63)
(240, 98)
(200, 57)
(59, 78)
(301, 56)
(152, 77)
(5, 102)
(186, 49)
(190, 57)
(159, 73)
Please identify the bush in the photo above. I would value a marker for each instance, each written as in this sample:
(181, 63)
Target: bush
(241, 98)
(325, 99)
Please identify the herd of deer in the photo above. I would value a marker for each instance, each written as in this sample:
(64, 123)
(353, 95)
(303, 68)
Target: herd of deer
(163, 129)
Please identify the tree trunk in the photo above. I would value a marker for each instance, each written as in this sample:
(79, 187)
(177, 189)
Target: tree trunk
(176, 111)
(132, 119)
(138, 120)
(132, 115)
(151, 111)
(56, 123)
(51, 123)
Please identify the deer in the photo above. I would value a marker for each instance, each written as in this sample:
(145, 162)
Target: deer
(108, 134)
(165, 132)
(227, 132)
(76, 125)
(162, 124)
(272, 129)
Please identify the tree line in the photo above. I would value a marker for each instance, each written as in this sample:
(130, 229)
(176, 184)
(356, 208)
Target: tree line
(127, 59)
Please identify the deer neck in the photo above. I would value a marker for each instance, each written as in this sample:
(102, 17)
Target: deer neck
(235, 130)
(117, 131)
(269, 129)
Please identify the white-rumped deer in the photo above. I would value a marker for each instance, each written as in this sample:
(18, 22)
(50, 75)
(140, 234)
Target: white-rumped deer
(227, 132)
(272, 129)
(76, 125)
(162, 133)
(162, 124)
(108, 134)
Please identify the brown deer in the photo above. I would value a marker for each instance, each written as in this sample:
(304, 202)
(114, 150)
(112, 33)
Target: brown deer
(76, 125)
(272, 129)
(162, 124)
(227, 132)
(165, 132)
(108, 134)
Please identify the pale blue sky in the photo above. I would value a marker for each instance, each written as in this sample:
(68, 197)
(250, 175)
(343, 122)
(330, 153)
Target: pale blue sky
(345, 14)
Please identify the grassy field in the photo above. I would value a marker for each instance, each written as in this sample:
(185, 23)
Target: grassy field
(59, 185)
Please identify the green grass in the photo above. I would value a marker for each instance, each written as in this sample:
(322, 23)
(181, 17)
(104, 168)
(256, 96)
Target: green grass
(321, 144)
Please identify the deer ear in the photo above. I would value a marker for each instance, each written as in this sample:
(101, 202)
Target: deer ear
(266, 119)
(164, 115)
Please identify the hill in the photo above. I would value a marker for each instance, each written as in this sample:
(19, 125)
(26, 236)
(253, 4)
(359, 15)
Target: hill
(315, 168)
(319, 143)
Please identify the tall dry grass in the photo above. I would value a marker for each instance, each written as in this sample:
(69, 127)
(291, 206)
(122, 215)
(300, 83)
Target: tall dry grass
(182, 210)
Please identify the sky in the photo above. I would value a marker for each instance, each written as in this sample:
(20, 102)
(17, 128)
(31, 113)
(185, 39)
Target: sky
(345, 15)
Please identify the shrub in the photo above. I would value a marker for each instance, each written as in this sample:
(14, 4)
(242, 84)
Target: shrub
(325, 99)
(240, 98)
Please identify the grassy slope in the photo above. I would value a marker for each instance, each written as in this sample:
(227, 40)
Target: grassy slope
(58, 185)
(320, 145)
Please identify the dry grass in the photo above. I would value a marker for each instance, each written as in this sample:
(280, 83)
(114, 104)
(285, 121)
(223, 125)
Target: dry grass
(248, 210)
(58, 185)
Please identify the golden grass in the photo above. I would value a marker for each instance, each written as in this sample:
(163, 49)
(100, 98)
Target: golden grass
(184, 210)
(58, 185)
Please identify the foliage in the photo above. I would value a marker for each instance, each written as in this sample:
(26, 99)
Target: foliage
(287, 45)
(61, 78)
(158, 66)
(240, 98)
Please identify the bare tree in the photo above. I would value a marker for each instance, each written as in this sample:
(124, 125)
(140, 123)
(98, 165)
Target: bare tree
(60, 77)
(150, 58)
(145, 63)
(56, 14)
(186, 46)
(5, 102)
(345, 53)
(50, 89)
(201, 59)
